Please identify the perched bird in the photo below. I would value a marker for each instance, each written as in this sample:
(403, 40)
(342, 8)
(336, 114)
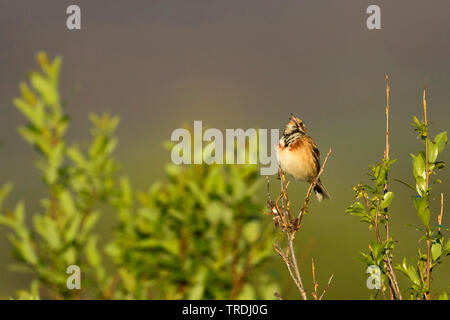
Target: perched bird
(299, 156)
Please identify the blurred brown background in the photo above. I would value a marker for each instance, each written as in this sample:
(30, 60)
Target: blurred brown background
(241, 64)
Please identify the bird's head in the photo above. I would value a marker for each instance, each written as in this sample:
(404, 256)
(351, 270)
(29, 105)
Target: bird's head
(294, 125)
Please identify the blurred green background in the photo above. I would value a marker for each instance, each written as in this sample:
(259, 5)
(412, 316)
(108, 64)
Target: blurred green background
(237, 64)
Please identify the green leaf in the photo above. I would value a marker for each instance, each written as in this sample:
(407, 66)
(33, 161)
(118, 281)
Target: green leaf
(251, 231)
(413, 276)
(432, 151)
(356, 209)
(28, 254)
(45, 89)
(423, 212)
(76, 156)
(128, 280)
(421, 186)
(418, 166)
(441, 140)
(196, 292)
(19, 213)
(436, 250)
(4, 192)
(447, 246)
(90, 221)
(92, 254)
(48, 230)
(25, 108)
(387, 199)
(53, 71)
(72, 231)
(6, 221)
(67, 204)
(217, 212)
(70, 255)
(405, 184)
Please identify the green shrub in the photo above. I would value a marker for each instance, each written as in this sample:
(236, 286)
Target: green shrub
(372, 207)
(199, 236)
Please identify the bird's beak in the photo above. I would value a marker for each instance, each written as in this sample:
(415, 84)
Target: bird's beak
(293, 118)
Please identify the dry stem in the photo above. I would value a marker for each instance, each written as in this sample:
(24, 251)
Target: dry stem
(427, 174)
(286, 223)
(442, 212)
(393, 284)
(316, 283)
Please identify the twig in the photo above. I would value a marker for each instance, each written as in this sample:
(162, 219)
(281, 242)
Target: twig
(284, 220)
(386, 152)
(315, 283)
(388, 91)
(297, 271)
(393, 284)
(376, 221)
(442, 212)
(327, 287)
(427, 174)
(293, 276)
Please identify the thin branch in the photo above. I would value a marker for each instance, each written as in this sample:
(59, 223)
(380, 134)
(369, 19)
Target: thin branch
(427, 174)
(388, 91)
(393, 284)
(315, 283)
(386, 152)
(293, 276)
(327, 287)
(297, 271)
(442, 212)
(289, 225)
(376, 221)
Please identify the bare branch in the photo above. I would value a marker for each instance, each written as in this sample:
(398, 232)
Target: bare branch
(328, 286)
(442, 212)
(289, 225)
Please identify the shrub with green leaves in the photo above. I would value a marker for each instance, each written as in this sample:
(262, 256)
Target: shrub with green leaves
(426, 165)
(199, 236)
(372, 207)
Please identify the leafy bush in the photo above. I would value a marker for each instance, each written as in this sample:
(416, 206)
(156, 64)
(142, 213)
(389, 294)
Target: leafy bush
(372, 207)
(199, 236)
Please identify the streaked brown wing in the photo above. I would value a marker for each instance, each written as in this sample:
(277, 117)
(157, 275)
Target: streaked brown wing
(315, 152)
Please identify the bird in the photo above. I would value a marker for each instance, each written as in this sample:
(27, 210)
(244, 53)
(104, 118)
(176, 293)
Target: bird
(299, 156)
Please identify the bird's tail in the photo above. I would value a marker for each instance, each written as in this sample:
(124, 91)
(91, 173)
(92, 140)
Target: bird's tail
(321, 192)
